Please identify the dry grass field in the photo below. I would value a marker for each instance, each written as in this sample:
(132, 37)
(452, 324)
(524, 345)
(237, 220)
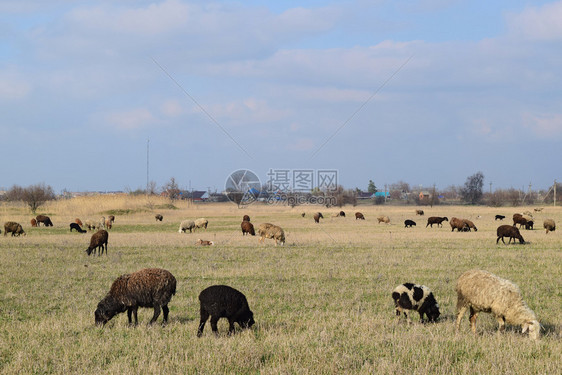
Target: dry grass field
(322, 302)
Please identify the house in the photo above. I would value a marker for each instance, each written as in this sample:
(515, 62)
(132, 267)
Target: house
(195, 195)
(365, 195)
(424, 195)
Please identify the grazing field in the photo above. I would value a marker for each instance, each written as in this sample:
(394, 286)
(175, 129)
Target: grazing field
(322, 303)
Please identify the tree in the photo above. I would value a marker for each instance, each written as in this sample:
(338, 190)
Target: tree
(34, 195)
(471, 192)
(371, 188)
(172, 189)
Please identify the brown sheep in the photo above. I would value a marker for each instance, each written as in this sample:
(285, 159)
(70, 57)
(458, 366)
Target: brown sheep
(359, 215)
(247, 228)
(383, 219)
(509, 231)
(436, 220)
(246, 218)
(519, 219)
(272, 231)
(158, 217)
(549, 225)
(419, 212)
(44, 219)
(303, 214)
(204, 242)
(13, 227)
(33, 223)
(317, 217)
(79, 222)
(459, 225)
(108, 224)
(150, 287)
(99, 242)
(470, 225)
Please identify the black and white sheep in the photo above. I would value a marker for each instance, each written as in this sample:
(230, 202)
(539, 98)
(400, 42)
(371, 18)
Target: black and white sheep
(90, 224)
(99, 242)
(436, 220)
(420, 298)
(409, 223)
(158, 217)
(341, 214)
(77, 228)
(419, 212)
(549, 225)
(499, 217)
(12, 227)
(149, 287)
(222, 301)
(479, 290)
(509, 231)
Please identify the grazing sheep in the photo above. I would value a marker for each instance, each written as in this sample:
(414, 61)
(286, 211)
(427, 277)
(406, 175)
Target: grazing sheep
(246, 218)
(247, 228)
(222, 301)
(268, 230)
(509, 231)
(79, 222)
(185, 225)
(528, 213)
(33, 222)
(158, 217)
(383, 219)
(90, 224)
(341, 213)
(317, 217)
(470, 225)
(409, 223)
(529, 224)
(549, 225)
(416, 297)
(499, 217)
(359, 215)
(459, 225)
(99, 242)
(204, 242)
(44, 219)
(108, 224)
(483, 291)
(111, 218)
(101, 222)
(14, 228)
(519, 219)
(538, 209)
(419, 212)
(77, 228)
(150, 287)
(201, 223)
(303, 214)
(436, 220)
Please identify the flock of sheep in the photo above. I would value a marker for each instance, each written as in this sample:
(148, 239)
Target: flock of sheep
(477, 290)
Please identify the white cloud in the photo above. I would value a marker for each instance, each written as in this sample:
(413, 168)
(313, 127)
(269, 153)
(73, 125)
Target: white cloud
(546, 126)
(538, 23)
(13, 86)
(172, 108)
(132, 119)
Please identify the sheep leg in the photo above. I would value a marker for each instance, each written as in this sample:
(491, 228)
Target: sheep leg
(202, 321)
(165, 310)
(156, 314)
(130, 312)
(473, 316)
(230, 326)
(460, 314)
(501, 322)
(214, 321)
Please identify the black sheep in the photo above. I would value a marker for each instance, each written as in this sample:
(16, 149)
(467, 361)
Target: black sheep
(44, 219)
(158, 217)
(150, 287)
(416, 297)
(499, 217)
(509, 231)
(342, 214)
(409, 223)
(98, 241)
(222, 301)
(77, 228)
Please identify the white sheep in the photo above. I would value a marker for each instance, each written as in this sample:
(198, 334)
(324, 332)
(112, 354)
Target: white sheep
(185, 225)
(201, 223)
(484, 291)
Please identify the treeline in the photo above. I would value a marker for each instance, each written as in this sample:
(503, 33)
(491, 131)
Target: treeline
(34, 195)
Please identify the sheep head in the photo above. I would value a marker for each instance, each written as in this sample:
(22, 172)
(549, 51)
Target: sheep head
(534, 328)
(107, 309)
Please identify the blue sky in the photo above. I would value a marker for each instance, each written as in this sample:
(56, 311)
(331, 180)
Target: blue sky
(83, 85)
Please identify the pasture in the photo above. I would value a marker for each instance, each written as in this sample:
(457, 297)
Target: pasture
(322, 303)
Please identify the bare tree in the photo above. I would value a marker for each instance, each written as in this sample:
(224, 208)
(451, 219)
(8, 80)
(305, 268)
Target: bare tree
(471, 192)
(172, 189)
(34, 195)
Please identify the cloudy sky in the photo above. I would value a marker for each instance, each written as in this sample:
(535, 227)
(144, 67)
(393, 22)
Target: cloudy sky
(427, 91)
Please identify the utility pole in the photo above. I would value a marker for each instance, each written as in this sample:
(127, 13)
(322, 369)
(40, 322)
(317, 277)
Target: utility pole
(490, 188)
(385, 193)
(554, 192)
(147, 149)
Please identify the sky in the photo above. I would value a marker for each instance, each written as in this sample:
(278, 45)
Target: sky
(427, 92)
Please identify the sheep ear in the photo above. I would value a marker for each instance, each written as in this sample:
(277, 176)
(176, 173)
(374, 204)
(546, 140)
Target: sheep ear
(525, 327)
